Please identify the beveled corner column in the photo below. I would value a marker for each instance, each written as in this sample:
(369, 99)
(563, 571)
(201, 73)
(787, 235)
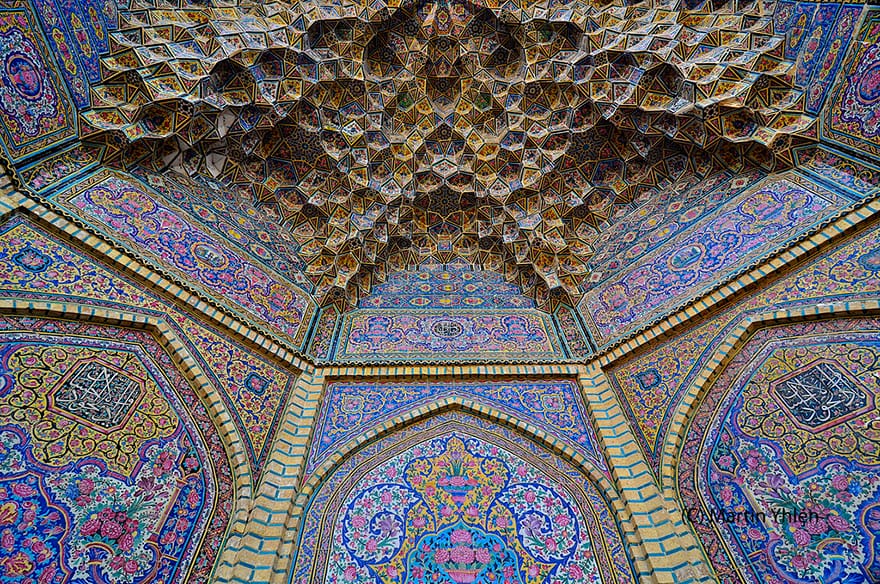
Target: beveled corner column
(255, 554)
(664, 549)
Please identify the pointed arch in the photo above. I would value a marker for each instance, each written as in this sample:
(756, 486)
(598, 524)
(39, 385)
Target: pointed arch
(736, 430)
(722, 356)
(228, 436)
(371, 447)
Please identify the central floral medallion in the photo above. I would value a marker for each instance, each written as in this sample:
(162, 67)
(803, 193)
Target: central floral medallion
(456, 510)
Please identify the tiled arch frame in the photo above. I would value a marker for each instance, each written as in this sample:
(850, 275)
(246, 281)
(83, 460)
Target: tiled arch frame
(474, 408)
(715, 366)
(248, 490)
(834, 233)
(242, 479)
(264, 551)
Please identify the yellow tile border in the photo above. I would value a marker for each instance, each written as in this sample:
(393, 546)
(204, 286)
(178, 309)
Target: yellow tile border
(715, 365)
(284, 554)
(115, 260)
(665, 556)
(630, 495)
(242, 480)
(672, 552)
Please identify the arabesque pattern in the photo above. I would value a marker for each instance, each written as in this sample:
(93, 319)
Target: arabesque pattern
(751, 449)
(465, 500)
(147, 500)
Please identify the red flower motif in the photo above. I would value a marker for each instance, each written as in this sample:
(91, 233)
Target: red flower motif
(106, 515)
(838, 523)
(816, 526)
(7, 540)
(111, 530)
(90, 527)
(462, 555)
(22, 490)
(482, 555)
(801, 537)
(163, 464)
(561, 520)
(86, 486)
(125, 542)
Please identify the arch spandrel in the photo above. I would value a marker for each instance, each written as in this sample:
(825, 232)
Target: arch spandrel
(110, 459)
(551, 409)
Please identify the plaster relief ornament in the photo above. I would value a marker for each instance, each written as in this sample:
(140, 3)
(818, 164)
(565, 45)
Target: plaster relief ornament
(383, 135)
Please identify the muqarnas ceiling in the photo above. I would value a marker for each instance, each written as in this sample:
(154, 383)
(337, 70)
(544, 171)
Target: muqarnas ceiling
(382, 136)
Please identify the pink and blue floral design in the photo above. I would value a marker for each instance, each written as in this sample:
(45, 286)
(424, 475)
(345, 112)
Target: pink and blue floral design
(454, 509)
(797, 503)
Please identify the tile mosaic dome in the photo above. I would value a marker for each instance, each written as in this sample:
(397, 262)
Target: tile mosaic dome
(506, 134)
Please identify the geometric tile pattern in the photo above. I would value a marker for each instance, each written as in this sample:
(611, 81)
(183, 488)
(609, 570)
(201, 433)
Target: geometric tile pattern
(36, 112)
(384, 135)
(457, 496)
(134, 493)
(36, 265)
(851, 118)
(447, 313)
(842, 172)
(459, 335)
(128, 210)
(817, 35)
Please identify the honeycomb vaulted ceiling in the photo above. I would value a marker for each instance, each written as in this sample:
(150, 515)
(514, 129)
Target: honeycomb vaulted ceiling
(385, 135)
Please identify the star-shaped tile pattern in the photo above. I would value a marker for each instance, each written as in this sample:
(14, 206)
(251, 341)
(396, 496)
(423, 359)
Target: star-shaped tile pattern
(504, 134)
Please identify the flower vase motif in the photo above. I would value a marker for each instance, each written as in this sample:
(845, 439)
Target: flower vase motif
(463, 554)
(455, 510)
(457, 483)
